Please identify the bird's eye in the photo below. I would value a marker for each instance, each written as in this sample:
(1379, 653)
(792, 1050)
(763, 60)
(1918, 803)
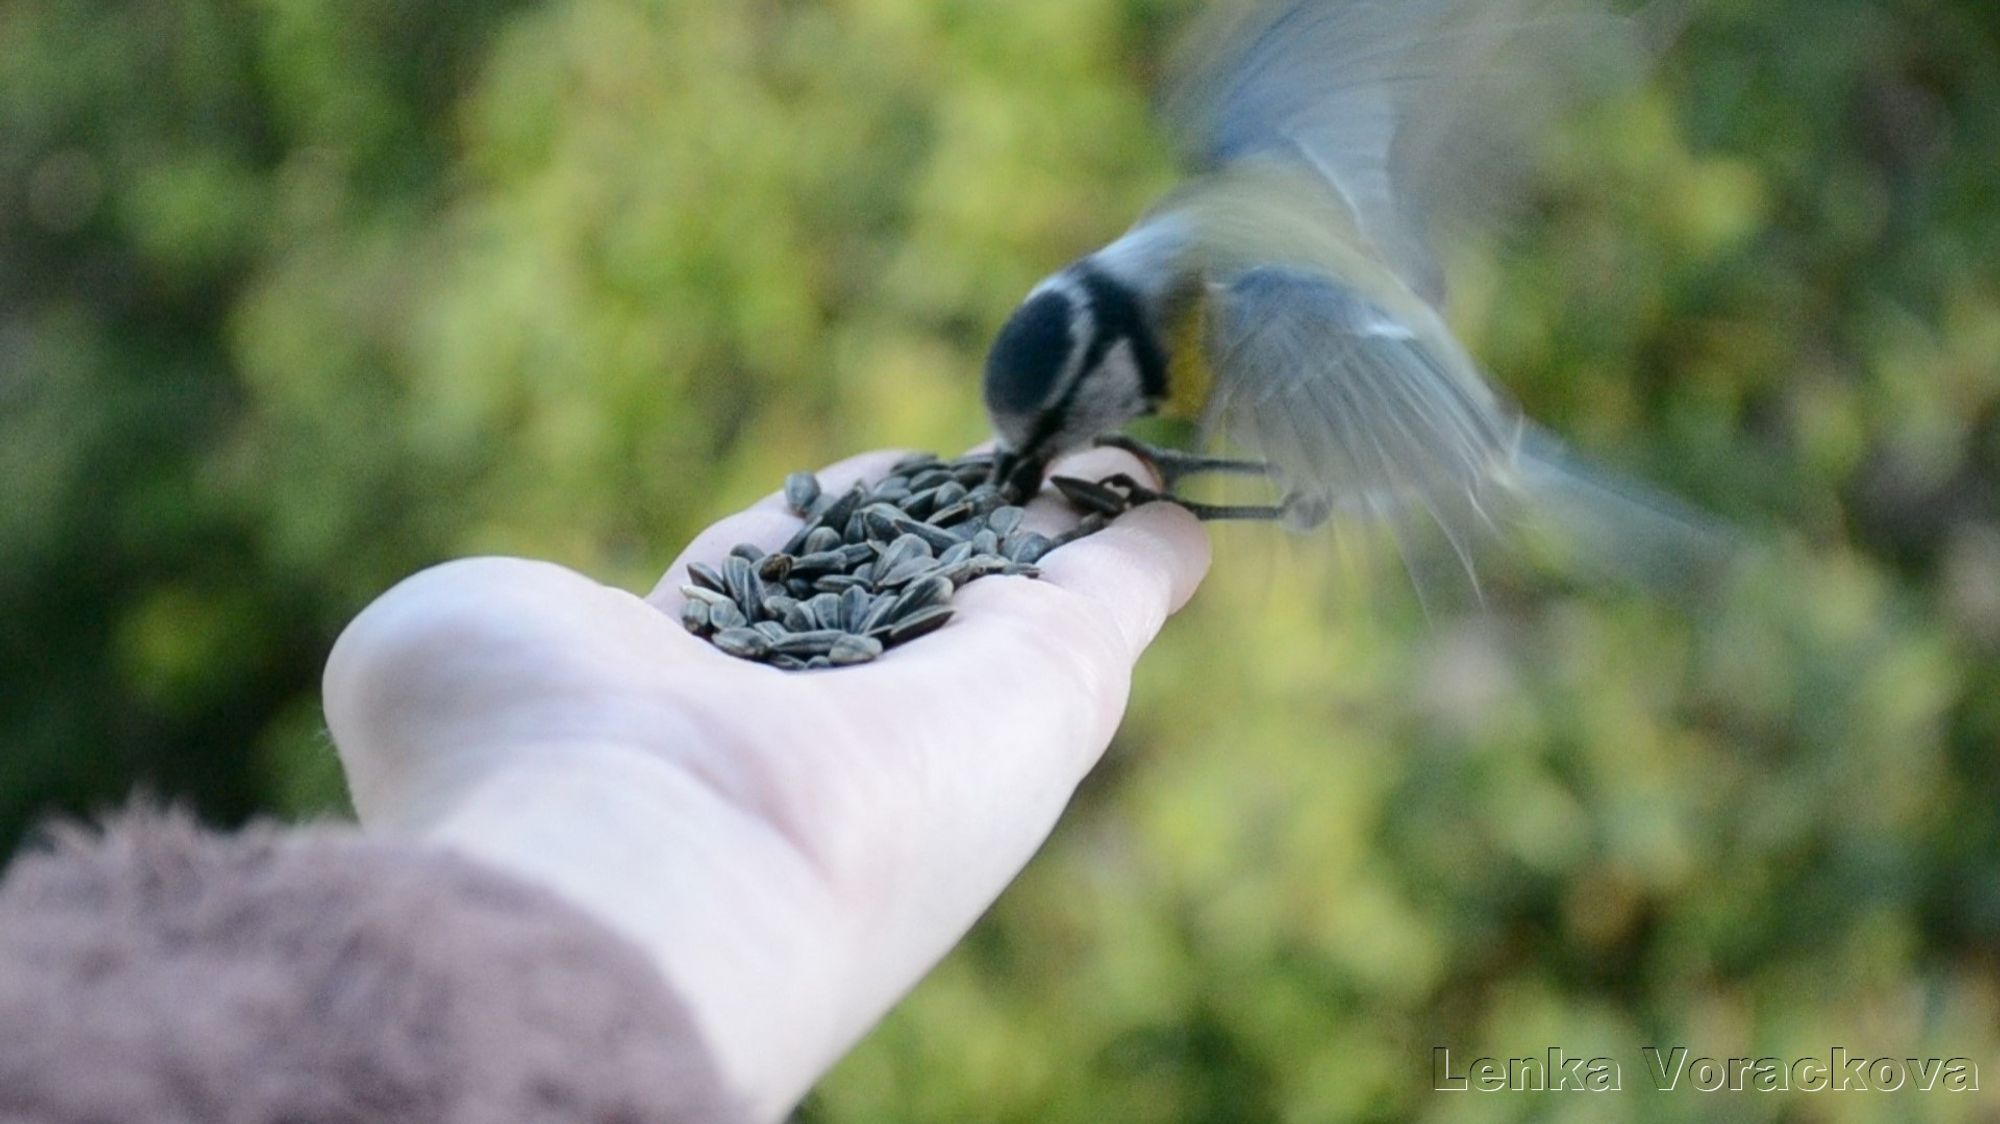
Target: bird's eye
(1028, 355)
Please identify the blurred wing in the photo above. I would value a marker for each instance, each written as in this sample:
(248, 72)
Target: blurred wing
(1356, 409)
(1361, 412)
(1413, 110)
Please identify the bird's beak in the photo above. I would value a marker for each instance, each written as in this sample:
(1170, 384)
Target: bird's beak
(1018, 474)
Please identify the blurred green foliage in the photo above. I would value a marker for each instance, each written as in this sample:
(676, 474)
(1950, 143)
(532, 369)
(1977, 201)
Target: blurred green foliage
(296, 297)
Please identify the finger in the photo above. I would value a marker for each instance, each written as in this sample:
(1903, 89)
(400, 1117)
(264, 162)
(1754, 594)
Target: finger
(767, 523)
(979, 733)
(1141, 569)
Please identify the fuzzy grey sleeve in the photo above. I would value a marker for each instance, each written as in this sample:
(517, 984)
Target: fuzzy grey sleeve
(163, 973)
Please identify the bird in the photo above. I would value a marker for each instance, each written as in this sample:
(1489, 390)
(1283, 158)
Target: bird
(1288, 293)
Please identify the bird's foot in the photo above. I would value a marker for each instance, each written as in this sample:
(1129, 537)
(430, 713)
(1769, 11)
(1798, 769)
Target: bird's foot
(1172, 464)
(1114, 495)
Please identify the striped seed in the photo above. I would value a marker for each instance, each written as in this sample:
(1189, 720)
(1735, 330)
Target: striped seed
(801, 492)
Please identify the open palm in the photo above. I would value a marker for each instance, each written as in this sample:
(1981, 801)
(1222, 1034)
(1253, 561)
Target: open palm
(795, 850)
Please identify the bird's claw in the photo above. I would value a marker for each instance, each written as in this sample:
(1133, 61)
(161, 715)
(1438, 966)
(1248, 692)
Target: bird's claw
(1119, 493)
(1170, 465)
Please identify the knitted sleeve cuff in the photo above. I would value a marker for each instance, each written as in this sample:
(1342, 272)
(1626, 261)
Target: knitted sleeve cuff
(157, 971)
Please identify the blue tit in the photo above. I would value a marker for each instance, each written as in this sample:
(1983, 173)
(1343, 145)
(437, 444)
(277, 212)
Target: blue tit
(1288, 295)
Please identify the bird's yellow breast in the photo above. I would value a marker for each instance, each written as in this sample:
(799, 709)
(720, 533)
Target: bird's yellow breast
(1189, 377)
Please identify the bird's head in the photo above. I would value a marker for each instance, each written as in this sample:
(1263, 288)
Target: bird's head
(1078, 358)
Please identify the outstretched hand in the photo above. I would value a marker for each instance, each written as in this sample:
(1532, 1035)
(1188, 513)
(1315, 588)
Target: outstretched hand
(795, 850)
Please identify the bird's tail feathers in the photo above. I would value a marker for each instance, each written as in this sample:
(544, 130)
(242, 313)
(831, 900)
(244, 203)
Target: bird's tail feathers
(1550, 512)
(1601, 524)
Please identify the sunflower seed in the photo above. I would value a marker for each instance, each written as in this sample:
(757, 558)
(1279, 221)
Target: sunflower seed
(910, 569)
(825, 609)
(984, 564)
(917, 624)
(796, 545)
(946, 516)
(815, 643)
(876, 565)
(743, 643)
(929, 478)
(902, 550)
(973, 470)
(694, 617)
(879, 521)
(1085, 527)
(839, 511)
(922, 594)
(878, 613)
(798, 618)
(920, 504)
(1025, 546)
(707, 596)
(817, 563)
(937, 538)
(801, 491)
(726, 615)
(1089, 495)
(854, 604)
(739, 579)
(706, 576)
(893, 555)
(849, 650)
(961, 571)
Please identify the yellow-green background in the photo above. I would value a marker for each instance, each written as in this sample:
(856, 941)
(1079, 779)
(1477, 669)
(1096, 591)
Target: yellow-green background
(297, 296)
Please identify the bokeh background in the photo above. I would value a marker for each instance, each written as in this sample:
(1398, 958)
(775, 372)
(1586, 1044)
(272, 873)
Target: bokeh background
(299, 296)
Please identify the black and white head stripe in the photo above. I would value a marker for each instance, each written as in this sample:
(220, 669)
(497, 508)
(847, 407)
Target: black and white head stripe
(1062, 332)
(1032, 357)
(1120, 318)
(1079, 357)
(1037, 353)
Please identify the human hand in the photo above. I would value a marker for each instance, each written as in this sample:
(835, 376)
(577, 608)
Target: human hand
(794, 850)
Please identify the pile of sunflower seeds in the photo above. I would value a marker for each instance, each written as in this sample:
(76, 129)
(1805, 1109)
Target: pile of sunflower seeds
(874, 566)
